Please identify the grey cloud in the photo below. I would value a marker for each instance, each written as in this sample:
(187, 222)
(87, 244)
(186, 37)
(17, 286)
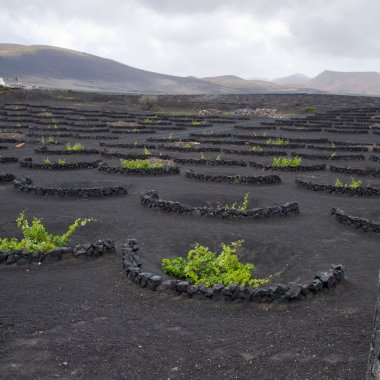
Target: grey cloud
(203, 38)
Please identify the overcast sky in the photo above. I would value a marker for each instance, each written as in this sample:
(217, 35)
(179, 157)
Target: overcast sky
(248, 38)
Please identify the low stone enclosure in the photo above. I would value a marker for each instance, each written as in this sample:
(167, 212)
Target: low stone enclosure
(166, 170)
(26, 185)
(292, 291)
(256, 153)
(8, 160)
(96, 249)
(134, 156)
(151, 199)
(6, 177)
(202, 161)
(339, 148)
(364, 224)
(28, 163)
(360, 191)
(355, 171)
(187, 149)
(299, 168)
(235, 179)
(340, 157)
(45, 150)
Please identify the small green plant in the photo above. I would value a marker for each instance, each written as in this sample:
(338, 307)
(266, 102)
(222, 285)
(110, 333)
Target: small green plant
(53, 123)
(333, 145)
(51, 139)
(354, 184)
(202, 156)
(204, 267)
(141, 164)
(218, 157)
(146, 151)
(47, 162)
(170, 136)
(284, 162)
(265, 134)
(310, 109)
(332, 155)
(187, 145)
(242, 207)
(256, 149)
(279, 141)
(61, 162)
(75, 147)
(135, 143)
(42, 140)
(148, 121)
(36, 238)
(196, 123)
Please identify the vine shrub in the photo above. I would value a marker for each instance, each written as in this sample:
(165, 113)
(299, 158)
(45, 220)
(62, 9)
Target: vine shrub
(75, 147)
(204, 267)
(283, 162)
(279, 141)
(141, 164)
(37, 238)
(354, 184)
(242, 207)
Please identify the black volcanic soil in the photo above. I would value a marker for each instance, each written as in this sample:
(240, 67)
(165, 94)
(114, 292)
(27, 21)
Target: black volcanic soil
(81, 319)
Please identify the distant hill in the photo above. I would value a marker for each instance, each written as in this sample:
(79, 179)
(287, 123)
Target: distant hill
(292, 79)
(365, 83)
(52, 67)
(235, 82)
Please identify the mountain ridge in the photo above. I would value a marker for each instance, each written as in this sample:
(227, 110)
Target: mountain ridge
(54, 67)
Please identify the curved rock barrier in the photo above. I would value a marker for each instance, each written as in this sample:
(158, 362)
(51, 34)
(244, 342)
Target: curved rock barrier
(129, 146)
(28, 163)
(290, 139)
(10, 140)
(151, 199)
(354, 221)
(8, 160)
(167, 170)
(359, 191)
(338, 148)
(253, 153)
(200, 161)
(44, 150)
(235, 179)
(342, 157)
(356, 171)
(300, 168)
(134, 131)
(292, 291)
(190, 149)
(26, 185)
(347, 131)
(217, 135)
(300, 129)
(258, 128)
(134, 156)
(96, 249)
(6, 177)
